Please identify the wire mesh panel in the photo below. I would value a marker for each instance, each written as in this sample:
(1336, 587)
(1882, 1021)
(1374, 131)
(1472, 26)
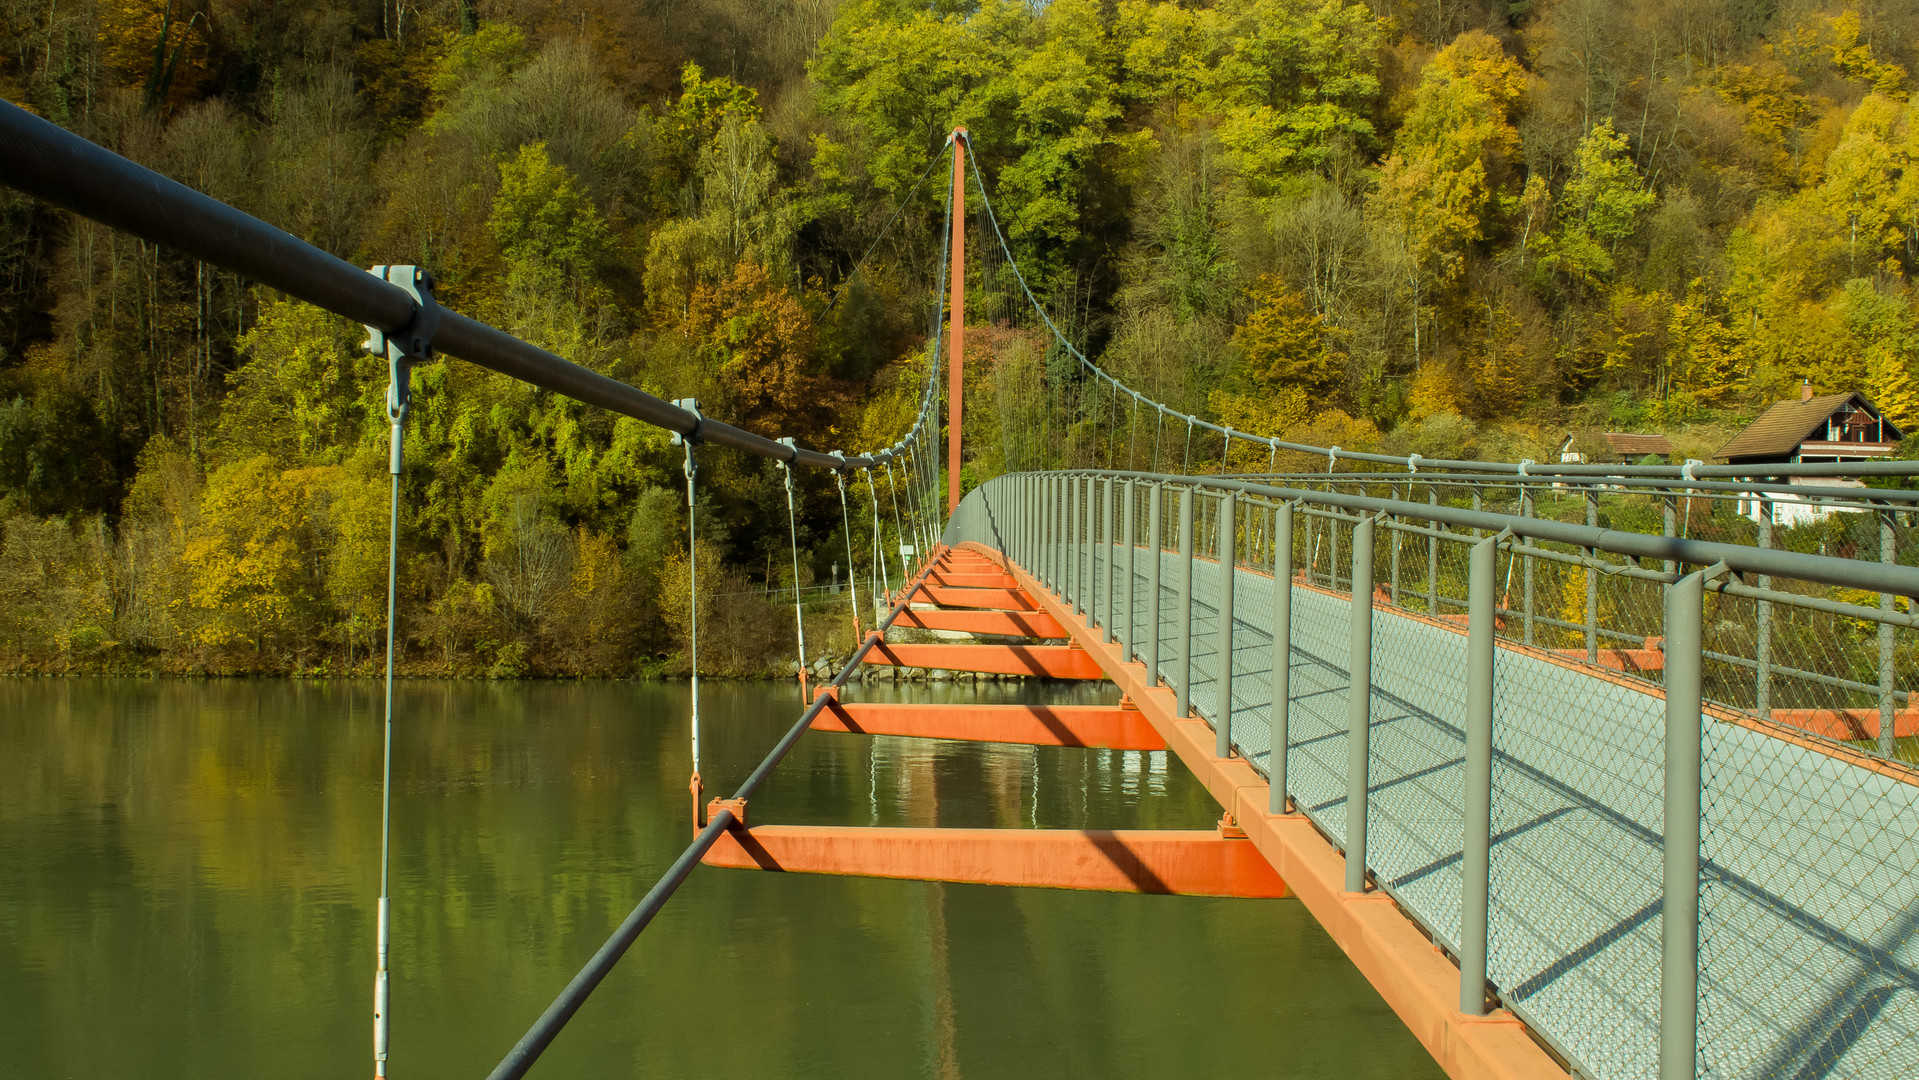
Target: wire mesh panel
(1809, 888)
(1808, 910)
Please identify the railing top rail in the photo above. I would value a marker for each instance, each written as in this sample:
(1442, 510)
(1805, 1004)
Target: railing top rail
(1727, 488)
(1738, 558)
(54, 165)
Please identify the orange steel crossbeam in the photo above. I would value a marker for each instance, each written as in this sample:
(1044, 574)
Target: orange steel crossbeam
(975, 621)
(1050, 661)
(1852, 725)
(1413, 976)
(966, 579)
(1168, 862)
(1107, 727)
(1628, 660)
(991, 599)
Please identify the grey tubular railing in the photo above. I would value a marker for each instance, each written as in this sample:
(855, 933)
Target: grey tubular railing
(1683, 677)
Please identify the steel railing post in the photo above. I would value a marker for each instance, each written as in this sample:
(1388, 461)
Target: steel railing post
(1083, 547)
(1055, 524)
(1762, 652)
(1093, 572)
(1072, 544)
(1394, 537)
(1183, 688)
(1359, 701)
(1279, 714)
(1228, 557)
(1046, 531)
(1130, 634)
(1592, 582)
(1475, 881)
(1526, 510)
(1679, 951)
(1156, 528)
(1106, 540)
(1432, 558)
(1332, 550)
(1888, 730)
(1089, 562)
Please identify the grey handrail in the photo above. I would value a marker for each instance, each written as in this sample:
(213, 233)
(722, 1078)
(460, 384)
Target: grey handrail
(1740, 559)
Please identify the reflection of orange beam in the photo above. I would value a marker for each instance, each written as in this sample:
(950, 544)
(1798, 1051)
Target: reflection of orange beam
(1051, 661)
(1010, 623)
(1859, 725)
(1175, 862)
(1105, 726)
(996, 599)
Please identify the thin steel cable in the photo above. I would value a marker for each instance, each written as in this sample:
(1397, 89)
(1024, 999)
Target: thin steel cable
(879, 552)
(874, 246)
(382, 985)
(693, 616)
(799, 618)
(899, 529)
(1132, 436)
(846, 524)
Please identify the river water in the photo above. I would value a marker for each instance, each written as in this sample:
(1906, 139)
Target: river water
(188, 872)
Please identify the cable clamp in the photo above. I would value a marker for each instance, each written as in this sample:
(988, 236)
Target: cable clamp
(1523, 463)
(693, 406)
(1332, 456)
(786, 467)
(409, 344)
(1412, 462)
(1688, 469)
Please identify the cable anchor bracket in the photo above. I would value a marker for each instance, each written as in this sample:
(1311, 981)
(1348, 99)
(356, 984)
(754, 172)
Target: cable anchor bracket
(409, 344)
(691, 405)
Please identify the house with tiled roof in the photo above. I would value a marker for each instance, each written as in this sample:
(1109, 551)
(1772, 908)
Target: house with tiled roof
(1830, 427)
(1812, 429)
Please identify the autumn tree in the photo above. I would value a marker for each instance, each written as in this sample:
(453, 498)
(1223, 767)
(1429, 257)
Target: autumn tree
(1436, 189)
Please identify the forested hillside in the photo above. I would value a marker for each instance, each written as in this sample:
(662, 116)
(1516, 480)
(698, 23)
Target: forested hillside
(1450, 226)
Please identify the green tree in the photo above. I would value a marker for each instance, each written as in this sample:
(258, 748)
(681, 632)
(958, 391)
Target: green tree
(1599, 207)
(540, 215)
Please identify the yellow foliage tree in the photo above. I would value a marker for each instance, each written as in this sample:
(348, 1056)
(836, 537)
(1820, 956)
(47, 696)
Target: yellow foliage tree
(1890, 386)
(1283, 342)
(250, 556)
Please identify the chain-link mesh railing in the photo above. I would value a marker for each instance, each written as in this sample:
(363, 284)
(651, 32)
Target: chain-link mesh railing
(1800, 961)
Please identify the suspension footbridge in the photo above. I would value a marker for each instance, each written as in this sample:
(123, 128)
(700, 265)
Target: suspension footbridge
(1576, 799)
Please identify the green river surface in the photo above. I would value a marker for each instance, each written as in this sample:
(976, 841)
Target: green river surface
(188, 874)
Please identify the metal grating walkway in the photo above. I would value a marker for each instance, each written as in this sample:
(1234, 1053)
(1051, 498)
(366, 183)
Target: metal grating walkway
(1809, 899)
